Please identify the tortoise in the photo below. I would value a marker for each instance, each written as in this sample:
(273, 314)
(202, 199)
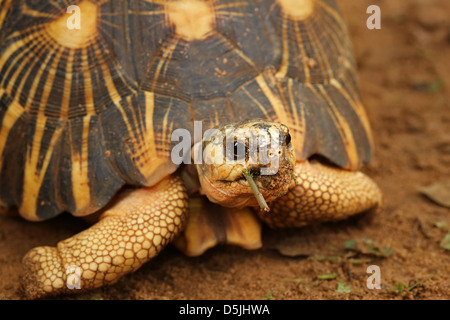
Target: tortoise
(91, 97)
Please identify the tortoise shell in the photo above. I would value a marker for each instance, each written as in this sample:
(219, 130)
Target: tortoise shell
(85, 111)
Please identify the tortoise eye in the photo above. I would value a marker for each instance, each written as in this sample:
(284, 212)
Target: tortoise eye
(237, 151)
(288, 139)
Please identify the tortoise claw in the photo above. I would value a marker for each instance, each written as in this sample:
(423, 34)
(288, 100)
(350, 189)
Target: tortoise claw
(43, 273)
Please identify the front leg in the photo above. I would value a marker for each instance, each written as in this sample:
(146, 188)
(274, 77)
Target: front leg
(322, 193)
(134, 229)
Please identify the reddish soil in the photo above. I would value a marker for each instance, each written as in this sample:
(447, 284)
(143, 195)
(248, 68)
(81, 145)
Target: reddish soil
(404, 80)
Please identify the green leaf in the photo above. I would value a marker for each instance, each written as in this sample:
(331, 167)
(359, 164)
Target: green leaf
(435, 86)
(296, 280)
(328, 276)
(343, 287)
(441, 225)
(369, 247)
(387, 251)
(400, 286)
(419, 283)
(350, 244)
(268, 295)
(445, 243)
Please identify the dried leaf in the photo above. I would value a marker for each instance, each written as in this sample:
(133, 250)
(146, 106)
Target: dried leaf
(295, 243)
(438, 192)
(293, 251)
(325, 258)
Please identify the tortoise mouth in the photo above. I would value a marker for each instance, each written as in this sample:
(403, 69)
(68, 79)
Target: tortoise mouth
(239, 192)
(265, 182)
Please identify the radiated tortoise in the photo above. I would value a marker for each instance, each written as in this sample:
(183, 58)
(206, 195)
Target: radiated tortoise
(92, 94)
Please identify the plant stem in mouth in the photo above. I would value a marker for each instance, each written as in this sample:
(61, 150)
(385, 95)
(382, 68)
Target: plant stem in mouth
(259, 197)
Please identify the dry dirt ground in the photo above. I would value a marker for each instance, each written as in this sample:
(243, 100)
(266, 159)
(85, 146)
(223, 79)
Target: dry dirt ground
(404, 73)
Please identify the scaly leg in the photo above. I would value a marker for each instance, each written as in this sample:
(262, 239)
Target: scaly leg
(134, 229)
(322, 193)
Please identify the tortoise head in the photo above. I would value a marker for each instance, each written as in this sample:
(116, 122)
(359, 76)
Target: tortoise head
(245, 160)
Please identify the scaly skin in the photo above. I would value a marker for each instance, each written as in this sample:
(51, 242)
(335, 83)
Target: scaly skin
(322, 193)
(131, 232)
